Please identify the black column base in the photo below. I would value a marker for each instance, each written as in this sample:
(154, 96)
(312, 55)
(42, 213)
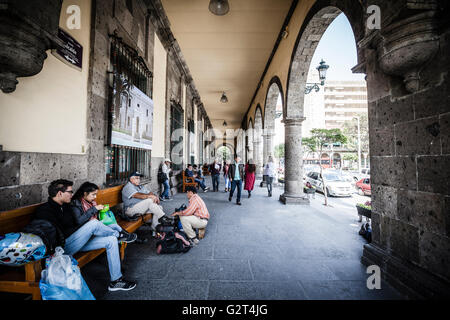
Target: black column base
(409, 279)
(294, 200)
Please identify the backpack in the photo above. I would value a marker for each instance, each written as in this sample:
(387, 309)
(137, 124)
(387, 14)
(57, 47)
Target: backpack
(50, 234)
(366, 232)
(162, 177)
(172, 242)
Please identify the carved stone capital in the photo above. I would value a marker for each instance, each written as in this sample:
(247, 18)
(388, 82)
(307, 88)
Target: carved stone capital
(405, 46)
(27, 30)
(292, 122)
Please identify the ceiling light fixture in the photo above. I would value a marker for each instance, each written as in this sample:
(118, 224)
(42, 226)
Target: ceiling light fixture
(219, 7)
(224, 98)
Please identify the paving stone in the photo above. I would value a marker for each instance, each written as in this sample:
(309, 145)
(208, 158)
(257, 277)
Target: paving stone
(162, 290)
(346, 290)
(255, 290)
(210, 270)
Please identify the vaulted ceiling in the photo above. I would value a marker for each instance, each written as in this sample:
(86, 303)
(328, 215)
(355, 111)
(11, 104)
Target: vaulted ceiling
(226, 53)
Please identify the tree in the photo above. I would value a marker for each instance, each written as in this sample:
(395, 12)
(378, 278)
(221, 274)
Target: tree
(350, 130)
(309, 146)
(279, 151)
(321, 138)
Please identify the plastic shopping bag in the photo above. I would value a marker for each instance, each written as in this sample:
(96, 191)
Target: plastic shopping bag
(107, 216)
(62, 279)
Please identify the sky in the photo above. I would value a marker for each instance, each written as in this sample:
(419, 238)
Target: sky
(338, 49)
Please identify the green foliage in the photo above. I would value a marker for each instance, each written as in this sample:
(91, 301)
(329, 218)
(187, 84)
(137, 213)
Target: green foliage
(364, 206)
(323, 137)
(279, 151)
(350, 156)
(350, 130)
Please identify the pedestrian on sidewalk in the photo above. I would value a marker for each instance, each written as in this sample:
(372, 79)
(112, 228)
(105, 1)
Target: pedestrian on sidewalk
(165, 169)
(214, 168)
(236, 174)
(250, 169)
(226, 167)
(269, 172)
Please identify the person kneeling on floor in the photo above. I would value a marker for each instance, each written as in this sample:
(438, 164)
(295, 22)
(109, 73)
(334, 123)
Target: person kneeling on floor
(196, 215)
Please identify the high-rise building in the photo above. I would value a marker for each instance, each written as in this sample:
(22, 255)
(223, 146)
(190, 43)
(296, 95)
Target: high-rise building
(343, 100)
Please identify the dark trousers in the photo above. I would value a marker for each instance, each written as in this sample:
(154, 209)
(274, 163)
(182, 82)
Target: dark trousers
(238, 184)
(215, 182)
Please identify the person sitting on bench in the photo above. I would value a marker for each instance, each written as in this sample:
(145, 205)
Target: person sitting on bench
(137, 200)
(190, 173)
(90, 236)
(196, 215)
(85, 208)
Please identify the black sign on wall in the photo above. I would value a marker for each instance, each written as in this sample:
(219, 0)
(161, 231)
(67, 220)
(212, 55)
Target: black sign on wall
(71, 52)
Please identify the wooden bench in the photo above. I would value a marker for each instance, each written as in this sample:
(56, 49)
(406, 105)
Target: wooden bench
(188, 181)
(25, 279)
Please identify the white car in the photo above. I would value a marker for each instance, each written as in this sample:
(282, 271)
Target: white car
(335, 184)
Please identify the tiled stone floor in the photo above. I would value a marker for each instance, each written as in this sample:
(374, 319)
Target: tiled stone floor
(260, 250)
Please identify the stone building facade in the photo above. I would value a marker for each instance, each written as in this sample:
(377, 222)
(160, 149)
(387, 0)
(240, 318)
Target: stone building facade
(25, 176)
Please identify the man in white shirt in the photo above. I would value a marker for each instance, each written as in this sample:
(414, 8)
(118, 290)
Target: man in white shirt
(165, 168)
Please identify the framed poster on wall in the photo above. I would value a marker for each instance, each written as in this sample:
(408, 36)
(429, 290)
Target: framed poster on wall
(132, 115)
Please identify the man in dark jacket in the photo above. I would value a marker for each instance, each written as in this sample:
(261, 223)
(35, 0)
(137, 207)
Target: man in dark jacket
(89, 236)
(236, 177)
(214, 168)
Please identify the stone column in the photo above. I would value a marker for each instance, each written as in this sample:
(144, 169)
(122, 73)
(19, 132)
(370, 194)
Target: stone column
(293, 163)
(257, 145)
(268, 146)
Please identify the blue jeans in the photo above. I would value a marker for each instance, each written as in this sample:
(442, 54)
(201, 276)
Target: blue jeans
(227, 182)
(201, 183)
(269, 181)
(215, 182)
(165, 193)
(95, 235)
(238, 184)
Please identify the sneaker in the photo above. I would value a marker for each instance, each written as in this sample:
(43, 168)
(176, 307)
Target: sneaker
(194, 242)
(127, 237)
(206, 190)
(168, 199)
(162, 199)
(121, 284)
(238, 203)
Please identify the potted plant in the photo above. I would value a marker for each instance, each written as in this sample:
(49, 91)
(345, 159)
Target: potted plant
(308, 188)
(364, 209)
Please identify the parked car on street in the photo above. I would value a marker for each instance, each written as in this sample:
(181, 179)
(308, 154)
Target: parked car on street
(363, 187)
(335, 184)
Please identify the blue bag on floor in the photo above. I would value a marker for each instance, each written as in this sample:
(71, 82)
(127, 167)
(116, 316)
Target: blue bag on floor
(62, 279)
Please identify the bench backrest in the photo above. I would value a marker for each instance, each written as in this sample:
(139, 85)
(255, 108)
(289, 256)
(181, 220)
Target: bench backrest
(15, 220)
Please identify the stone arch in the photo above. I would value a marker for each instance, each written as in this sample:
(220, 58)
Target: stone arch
(257, 139)
(229, 146)
(274, 90)
(316, 22)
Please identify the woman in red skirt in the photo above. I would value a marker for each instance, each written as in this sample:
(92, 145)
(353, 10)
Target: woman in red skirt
(250, 169)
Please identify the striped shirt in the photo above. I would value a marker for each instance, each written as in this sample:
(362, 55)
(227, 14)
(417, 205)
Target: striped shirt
(196, 208)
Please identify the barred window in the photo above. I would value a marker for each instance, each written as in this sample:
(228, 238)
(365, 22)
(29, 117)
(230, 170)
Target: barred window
(121, 160)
